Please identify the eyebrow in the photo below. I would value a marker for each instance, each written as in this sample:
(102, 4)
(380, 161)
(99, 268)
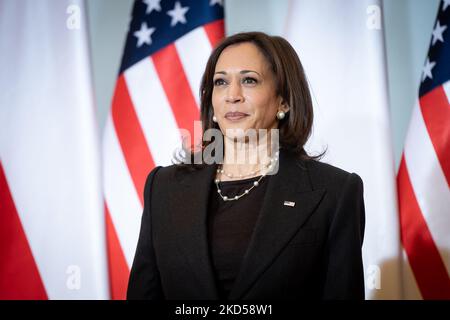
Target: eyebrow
(241, 72)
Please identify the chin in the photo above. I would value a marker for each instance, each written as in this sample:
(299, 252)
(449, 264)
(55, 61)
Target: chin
(240, 133)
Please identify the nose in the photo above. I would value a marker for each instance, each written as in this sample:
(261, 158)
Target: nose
(234, 92)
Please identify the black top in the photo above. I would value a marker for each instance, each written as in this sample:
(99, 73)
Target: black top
(310, 250)
(230, 227)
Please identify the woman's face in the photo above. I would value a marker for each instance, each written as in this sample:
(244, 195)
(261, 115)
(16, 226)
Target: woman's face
(244, 94)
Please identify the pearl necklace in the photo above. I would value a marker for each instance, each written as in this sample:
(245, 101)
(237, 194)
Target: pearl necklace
(255, 183)
(252, 173)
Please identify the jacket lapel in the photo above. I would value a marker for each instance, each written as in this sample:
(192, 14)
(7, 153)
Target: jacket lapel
(188, 211)
(277, 223)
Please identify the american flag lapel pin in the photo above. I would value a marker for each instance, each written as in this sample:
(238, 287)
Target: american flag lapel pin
(289, 203)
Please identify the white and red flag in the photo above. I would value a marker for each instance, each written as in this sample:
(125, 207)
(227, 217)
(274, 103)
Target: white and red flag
(156, 94)
(52, 238)
(424, 175)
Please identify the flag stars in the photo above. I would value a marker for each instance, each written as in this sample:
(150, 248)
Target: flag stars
(445, 5)
(178, 14)
(144, 35)
(427, 70)
(437, 33)
(152, 5)
(219, 2)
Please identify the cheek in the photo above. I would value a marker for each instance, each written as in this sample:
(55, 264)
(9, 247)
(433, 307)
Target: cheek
(264, 108)
(215, 102)
(217, 98)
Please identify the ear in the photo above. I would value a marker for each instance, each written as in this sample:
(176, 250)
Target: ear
(283, 106)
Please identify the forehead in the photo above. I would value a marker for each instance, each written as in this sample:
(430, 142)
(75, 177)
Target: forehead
(242, 56)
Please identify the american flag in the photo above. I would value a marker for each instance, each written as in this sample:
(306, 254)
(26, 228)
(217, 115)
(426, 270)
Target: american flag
(157, 92)
(424, 174)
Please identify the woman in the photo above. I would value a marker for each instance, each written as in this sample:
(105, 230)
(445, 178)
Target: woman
(283, 226)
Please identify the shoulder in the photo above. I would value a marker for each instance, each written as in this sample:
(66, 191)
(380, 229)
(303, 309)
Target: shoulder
(160, 173)
(159, 182)
(174, 171)
(344, 192)
(168, 175)
(326, 176)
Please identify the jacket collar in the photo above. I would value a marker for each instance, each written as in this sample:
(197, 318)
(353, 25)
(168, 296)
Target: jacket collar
(276, 224)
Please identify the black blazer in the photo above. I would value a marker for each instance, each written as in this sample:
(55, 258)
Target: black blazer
(309, 251)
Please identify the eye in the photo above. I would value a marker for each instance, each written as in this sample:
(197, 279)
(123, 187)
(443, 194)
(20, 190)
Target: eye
(250, 80)
(219, 82)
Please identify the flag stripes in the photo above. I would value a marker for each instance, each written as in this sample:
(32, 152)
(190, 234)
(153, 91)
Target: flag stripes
(117, 267)
(176, 87)
(19, 278)
(146, 90)
(215, 31)
(122, 199)
(155, 97)
(428, 182)
(131, 137)
(423, 255)
(447, 90)
(435, 109)
(193, 64)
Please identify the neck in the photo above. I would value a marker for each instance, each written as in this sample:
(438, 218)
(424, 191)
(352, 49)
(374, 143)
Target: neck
(246, 156)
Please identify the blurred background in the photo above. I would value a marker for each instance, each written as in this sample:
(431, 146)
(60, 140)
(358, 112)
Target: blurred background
(407, 28)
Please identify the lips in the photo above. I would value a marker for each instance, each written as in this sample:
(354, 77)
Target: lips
(234, 116)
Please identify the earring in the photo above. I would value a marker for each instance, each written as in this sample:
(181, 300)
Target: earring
(214, 119)
(281, 115)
